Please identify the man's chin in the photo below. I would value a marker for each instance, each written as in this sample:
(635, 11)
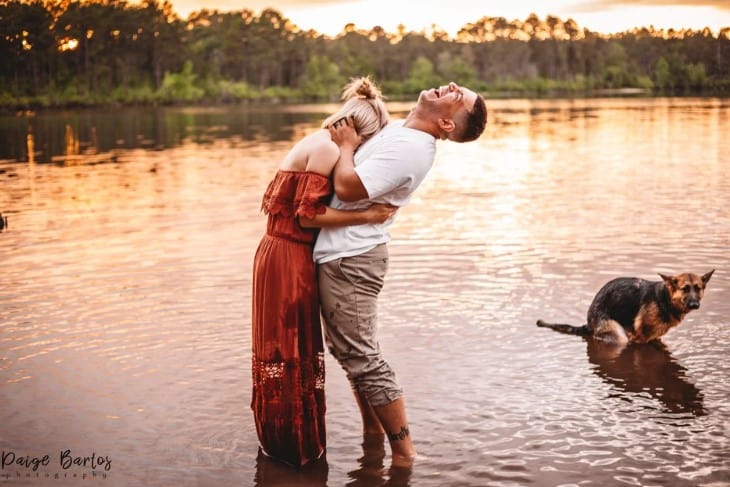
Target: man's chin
(424, 96)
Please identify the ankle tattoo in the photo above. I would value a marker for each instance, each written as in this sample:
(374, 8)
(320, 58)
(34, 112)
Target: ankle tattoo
(401, 435)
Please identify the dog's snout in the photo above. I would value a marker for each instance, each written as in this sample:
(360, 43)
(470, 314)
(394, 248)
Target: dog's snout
(693, 304)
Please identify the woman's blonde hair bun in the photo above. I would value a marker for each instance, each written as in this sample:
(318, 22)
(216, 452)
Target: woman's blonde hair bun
(363, 102)
(362, 87)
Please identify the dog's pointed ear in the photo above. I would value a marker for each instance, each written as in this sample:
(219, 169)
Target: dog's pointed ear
(707, 276)
(669, 281)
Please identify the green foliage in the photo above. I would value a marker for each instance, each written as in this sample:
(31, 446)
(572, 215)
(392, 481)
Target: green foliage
(280, 94)
(697, 76)
(644, 82)
(180, 86)
(617, 71)
(616, 77)
(457, 69)
(662, 78)
(421, 76)
(112, 51)
(321, 79)
(134, 95)
(228, 91)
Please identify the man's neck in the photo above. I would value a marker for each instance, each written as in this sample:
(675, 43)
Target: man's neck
(415, 122)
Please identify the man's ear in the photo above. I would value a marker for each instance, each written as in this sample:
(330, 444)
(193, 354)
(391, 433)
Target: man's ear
(447, 125)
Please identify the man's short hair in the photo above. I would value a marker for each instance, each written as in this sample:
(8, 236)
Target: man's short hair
(475, 121)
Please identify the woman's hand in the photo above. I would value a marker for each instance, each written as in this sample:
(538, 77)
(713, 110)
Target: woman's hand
(343, 134)
(379, 212)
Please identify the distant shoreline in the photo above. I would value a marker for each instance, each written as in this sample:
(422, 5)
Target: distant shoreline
(29, 105)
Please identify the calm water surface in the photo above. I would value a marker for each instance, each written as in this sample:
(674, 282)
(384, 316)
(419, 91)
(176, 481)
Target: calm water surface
(125, 280)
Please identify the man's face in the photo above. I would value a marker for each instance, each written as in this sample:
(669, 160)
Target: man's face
(448, 100)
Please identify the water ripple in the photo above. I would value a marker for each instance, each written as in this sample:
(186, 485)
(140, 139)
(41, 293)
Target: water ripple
(125, 298)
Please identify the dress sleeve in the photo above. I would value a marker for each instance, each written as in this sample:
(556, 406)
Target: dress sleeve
(312, 196)
(275, 201)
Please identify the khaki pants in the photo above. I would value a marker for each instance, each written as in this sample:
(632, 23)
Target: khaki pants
(349, 289)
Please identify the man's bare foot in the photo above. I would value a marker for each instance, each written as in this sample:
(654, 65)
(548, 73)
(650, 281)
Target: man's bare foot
(373, 450)
(403, 461)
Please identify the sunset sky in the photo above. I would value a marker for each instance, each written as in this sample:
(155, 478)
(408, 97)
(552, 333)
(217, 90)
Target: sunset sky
(606, 16)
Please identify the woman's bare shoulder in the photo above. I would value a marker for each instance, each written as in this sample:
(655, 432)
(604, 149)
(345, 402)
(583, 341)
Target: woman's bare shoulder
(314, 152)
(322, 153)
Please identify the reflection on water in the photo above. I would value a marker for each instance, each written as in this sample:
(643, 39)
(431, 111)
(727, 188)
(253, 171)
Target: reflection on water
(125, 281)
(270, 472)
(372, 470)
(65, 135)
(646, 369)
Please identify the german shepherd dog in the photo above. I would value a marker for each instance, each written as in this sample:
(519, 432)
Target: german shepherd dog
(632, 310)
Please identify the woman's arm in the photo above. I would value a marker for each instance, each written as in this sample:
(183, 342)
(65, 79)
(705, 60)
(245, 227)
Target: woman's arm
(376, 213)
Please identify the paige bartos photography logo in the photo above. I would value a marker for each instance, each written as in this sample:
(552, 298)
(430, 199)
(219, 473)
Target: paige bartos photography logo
(14, 464)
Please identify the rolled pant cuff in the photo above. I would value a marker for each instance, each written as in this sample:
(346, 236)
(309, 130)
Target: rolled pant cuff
(384, 397)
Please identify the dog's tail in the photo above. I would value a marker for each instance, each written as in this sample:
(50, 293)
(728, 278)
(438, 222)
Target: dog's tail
(569, 329)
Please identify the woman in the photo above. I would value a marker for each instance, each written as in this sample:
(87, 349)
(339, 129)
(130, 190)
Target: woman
(288, 356)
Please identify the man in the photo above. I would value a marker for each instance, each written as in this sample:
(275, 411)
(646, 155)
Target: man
(353, 260)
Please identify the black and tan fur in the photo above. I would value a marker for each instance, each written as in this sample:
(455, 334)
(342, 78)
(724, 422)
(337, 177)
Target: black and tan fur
(632, 310)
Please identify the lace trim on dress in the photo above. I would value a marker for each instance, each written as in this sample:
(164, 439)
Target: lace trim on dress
(307, 208)
(278, 374)
(308, 199)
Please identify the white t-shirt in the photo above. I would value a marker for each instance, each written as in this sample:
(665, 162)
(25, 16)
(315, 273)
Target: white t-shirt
(390, 165)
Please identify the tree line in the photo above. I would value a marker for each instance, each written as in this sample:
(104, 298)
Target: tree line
(109, 51)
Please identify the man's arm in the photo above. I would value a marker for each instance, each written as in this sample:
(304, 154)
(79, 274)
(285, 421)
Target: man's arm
(348, 186)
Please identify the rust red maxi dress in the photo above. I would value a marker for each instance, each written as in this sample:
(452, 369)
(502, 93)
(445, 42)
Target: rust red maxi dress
(288, 400)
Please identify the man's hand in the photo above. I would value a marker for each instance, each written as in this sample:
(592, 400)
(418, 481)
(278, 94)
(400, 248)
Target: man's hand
(347, 184)
(380, 212)
(343, 134)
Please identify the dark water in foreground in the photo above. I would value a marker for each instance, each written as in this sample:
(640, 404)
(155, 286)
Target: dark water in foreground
(125, 299)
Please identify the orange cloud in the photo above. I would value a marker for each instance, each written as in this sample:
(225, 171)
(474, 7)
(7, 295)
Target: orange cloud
(602, 5)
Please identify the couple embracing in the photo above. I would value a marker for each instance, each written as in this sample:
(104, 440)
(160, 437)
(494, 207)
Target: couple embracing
(324, 255)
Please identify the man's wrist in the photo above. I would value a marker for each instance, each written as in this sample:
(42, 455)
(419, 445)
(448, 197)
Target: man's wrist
(347, 151)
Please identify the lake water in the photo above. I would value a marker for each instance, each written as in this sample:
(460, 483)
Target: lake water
(125, 284)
